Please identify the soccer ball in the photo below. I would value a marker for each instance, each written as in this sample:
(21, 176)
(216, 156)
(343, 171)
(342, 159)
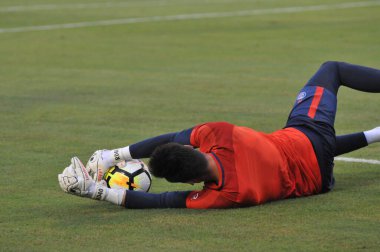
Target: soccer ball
(131, 175)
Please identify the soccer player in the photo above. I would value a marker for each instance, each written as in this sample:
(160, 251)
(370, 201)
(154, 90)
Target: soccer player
(240, 166)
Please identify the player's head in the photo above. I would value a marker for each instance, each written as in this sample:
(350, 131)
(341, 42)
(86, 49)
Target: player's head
(178, 163)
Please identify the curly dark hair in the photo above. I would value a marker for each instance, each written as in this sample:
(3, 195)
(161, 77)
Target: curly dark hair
(177, 163)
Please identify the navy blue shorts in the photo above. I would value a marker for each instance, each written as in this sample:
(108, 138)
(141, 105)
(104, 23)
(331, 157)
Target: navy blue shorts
(313, 113)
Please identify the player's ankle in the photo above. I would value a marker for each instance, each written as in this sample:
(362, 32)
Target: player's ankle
(373, 135)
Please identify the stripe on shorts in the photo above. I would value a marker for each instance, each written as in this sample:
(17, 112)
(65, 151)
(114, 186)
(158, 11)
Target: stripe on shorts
(315, 103)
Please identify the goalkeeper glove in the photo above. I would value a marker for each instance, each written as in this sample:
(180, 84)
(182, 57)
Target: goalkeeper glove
(102, 160)
(97, 165)
(76, 180)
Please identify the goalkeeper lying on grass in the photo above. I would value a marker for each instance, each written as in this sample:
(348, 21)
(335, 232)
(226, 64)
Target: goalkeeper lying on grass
(239, 166)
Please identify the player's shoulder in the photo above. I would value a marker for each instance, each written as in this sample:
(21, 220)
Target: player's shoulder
(211, 133)
(215, 125)
(213, 128)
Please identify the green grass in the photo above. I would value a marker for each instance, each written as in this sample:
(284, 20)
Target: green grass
(70, 92)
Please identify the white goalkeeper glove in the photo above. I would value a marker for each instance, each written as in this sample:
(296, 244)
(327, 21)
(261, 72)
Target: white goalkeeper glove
(102, 160)
(97, 165)
(76, 180)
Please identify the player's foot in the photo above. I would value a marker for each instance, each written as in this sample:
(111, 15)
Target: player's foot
(373, 135)
(97, 165)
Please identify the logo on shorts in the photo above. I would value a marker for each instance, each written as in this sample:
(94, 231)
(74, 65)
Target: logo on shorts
(301, 96)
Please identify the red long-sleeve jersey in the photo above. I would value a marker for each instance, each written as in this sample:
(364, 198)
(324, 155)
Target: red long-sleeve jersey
(254, 167)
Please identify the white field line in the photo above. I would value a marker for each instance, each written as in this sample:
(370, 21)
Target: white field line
(357, 160)
(193, 16)
(99, 5)
(45, 7)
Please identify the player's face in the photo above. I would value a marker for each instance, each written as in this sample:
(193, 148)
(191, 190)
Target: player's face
(209, 176)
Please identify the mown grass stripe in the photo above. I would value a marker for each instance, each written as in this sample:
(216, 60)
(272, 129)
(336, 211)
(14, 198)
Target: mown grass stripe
(192, 16)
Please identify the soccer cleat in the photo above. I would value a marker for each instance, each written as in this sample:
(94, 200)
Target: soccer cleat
(97, 166)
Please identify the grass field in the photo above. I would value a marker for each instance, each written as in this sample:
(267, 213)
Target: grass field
(67, 92)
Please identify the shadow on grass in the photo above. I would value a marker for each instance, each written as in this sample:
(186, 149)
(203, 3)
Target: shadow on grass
(84, 212)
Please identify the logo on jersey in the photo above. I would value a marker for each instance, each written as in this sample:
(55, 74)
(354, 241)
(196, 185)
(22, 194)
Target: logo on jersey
(301, 96)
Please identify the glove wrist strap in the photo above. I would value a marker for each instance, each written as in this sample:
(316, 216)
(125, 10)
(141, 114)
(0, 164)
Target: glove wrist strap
(115, 196)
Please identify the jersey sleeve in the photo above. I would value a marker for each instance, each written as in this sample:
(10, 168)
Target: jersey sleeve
(136, 199)
(145, 148)
(208, 198)
(184, 199)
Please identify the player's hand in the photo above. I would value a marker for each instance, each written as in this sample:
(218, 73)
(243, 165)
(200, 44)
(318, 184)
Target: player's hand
(75, 178)
(68, 179)
(97, 166)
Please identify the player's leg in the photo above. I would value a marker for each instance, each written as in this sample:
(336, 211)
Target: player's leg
(355, 141)
(315, 109)
(333, 74)
(316, 103)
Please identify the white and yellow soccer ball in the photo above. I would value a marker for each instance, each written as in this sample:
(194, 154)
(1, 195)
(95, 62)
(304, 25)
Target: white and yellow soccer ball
(131, 175)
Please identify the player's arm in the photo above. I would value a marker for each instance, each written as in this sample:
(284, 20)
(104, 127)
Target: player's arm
(101, 160)
(136, 199)
(204, 199)
(76, 180)
(145, 148)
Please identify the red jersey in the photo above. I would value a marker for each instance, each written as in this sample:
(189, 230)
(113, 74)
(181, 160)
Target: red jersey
(254, 167)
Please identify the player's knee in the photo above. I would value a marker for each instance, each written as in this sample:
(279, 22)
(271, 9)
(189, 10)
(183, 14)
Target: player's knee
(331, 65)
(330, 75)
